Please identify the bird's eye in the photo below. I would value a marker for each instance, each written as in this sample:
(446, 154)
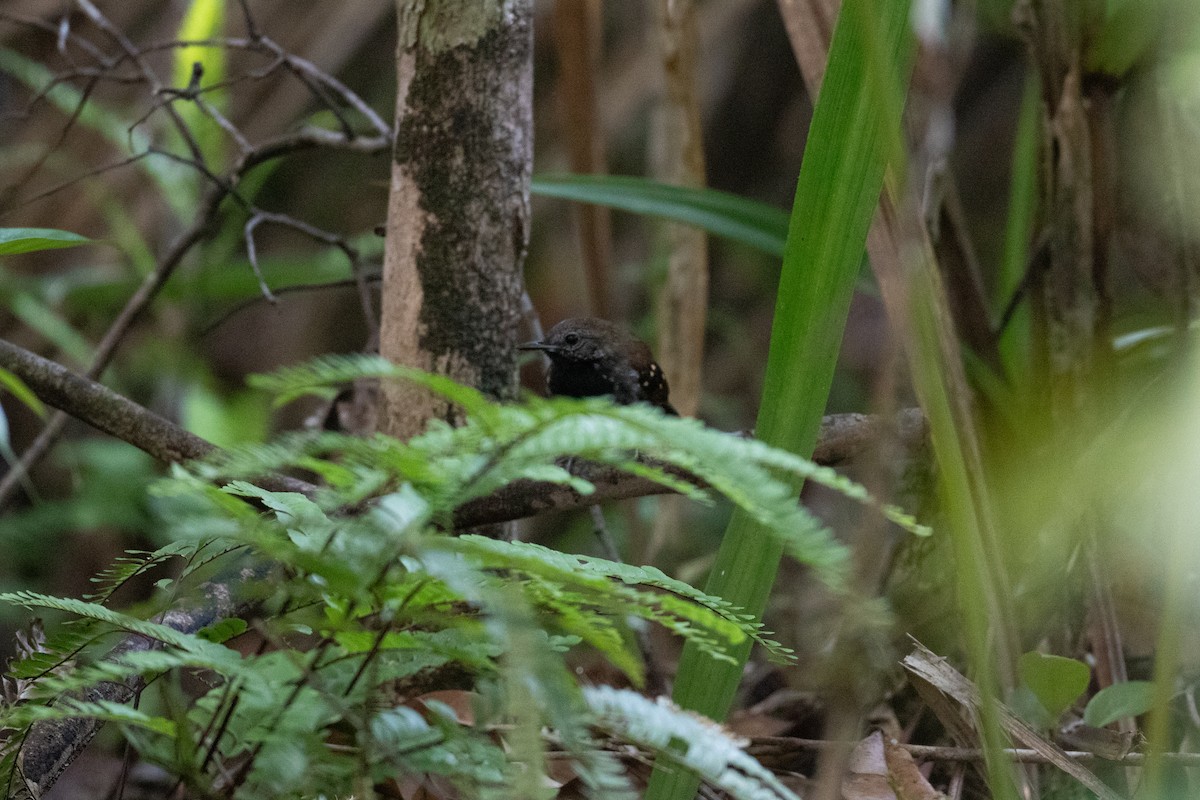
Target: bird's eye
(571, 339)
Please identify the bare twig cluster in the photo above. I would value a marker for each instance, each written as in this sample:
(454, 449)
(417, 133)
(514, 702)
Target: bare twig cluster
(111, 57)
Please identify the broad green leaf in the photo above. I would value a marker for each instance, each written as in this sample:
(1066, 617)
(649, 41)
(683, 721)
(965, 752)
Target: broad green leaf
(758, 225)
(30, 240)
(1130, 699)
(1026, 705)
(1054, 680)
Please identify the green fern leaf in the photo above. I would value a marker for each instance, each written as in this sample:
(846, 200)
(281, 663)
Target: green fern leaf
(691, 741)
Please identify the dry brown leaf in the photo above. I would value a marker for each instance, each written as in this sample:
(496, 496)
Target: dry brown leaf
(904, 775)
(461, 702)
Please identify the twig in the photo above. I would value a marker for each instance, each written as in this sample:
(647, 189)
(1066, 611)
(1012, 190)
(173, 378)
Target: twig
(948, 692)
(762, 745)
(67, 184)
(135, 56)
(334, 240)
(219, 188)
(216, 321)
(608, 548)
(656, 679)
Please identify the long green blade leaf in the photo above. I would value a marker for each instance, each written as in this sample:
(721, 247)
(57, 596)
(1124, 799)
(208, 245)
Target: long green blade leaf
(750, 222)
(855, 123)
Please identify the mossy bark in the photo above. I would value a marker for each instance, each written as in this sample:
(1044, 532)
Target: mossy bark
(458, 211)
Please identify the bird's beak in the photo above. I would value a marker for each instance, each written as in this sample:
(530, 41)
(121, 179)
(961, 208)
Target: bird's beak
(543, 346)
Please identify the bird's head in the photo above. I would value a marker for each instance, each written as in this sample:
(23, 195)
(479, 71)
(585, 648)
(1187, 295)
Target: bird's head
(579, 339)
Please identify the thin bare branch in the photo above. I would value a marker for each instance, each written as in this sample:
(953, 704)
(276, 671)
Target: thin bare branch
(117, 35)
(252, 255)
(772, 746)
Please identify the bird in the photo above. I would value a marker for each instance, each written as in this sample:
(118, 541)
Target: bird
(593, 358)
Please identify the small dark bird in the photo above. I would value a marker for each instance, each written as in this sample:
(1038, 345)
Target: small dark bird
(593, 357)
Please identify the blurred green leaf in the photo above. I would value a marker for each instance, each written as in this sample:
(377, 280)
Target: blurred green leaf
(1130, 699)
(17, 388)
(111, 478)
(173, 178)
(1026, 705)
(29, 240)
(205, 19)
(223, 631)
(750, 222)
(1015, 346)
(1055, 681)
(1120, 34)
(46, 321)
(226, 420)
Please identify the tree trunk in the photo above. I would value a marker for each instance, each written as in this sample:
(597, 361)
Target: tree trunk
(458, 211)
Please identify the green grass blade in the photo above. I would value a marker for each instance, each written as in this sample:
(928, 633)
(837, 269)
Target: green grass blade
(1018, 233)
(853, 131)
(204, 19)
(758, 225)
(16, 387)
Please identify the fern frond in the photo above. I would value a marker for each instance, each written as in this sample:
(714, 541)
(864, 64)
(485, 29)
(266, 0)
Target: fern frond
(334, 370)
(103, 710)
(593, 584)
(693, 742)
(58, 649)
(323, 372)
(125, 622)
(575, 614)
(135, 563)
(10, 771)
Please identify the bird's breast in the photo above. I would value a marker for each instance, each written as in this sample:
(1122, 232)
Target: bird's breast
(579, 379)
